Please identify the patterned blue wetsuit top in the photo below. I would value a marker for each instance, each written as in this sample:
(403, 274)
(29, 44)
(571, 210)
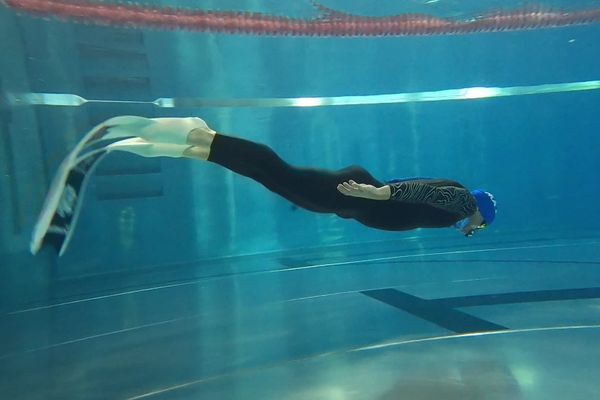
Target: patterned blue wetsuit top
(450, 198)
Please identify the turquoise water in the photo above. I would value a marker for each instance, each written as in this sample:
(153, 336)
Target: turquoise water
(184, 280)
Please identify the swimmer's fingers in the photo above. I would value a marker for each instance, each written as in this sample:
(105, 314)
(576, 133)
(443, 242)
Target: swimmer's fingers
(357, 186)
(345, 189)
(360, 187)
(351, 188)
(348, 186)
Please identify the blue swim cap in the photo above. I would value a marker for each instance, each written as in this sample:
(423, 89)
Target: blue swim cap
(486, 204)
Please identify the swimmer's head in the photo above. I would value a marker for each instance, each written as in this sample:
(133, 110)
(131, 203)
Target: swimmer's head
(486, 204)
(484, 216)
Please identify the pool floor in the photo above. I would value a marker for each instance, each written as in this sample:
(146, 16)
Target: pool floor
(517, 318)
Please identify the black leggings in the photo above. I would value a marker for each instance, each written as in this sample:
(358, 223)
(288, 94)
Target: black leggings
(312, 189)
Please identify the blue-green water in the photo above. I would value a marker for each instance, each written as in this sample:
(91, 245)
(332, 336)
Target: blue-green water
(182, 273)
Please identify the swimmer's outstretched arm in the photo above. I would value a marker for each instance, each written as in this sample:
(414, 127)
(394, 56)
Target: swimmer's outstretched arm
(364, 191)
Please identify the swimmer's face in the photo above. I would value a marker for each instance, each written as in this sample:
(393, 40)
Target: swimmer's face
(470, 232)
(476, 223)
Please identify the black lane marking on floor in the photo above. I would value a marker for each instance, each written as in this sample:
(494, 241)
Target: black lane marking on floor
(446, 317)
(442, 311)
(519, 297)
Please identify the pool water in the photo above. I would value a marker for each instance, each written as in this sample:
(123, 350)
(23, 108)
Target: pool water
(184, 280)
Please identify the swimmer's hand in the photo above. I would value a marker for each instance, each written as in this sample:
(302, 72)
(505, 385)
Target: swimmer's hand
(364, 191)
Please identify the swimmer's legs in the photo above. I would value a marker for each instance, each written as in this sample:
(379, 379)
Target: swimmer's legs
(309, 188)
